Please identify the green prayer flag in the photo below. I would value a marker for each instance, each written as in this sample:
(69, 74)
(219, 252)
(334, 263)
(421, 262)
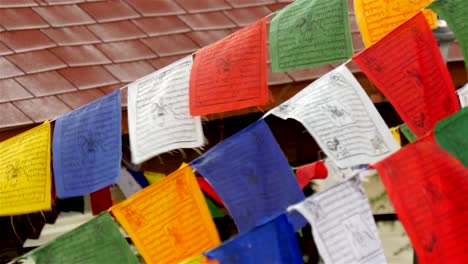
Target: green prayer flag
(455, 13)
(410, 136)
(214, 210)
(452, 134)
(97, 241)
(309, 33)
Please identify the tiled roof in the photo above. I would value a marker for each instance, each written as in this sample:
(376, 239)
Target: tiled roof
(56, 55)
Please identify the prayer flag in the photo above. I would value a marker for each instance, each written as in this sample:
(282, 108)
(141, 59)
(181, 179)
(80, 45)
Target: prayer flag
(408, 68)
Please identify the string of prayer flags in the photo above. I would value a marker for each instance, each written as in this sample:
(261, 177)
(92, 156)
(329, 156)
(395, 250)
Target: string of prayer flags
(86, 150)
(409, 70)
(396, 134)
(169, 221)
(342, 119)
(463, 95)
(409, 135)
(308, 33)
(309, 172)
(271, 242)
(101, 200)
(25, 180)
(342, 224)
(376, 18)
(127, 184)
(98, 241)
(452, 134)
(429, 191)
(231, 73)
(455, 13)
(252, 176)
(158, 113)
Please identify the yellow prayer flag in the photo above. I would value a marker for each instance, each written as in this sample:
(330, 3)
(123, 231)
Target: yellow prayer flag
(200, 259)
(396, 134)
(25, 179)
(153, 177)
(376, 18)
(169, 221)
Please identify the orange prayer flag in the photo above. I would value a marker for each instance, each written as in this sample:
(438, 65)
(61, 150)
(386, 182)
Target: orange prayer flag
(429, 190)
(406, 65)
(169, 221)
(231, 73)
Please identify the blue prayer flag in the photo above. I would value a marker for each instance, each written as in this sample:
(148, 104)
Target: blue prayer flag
(272, 242)
(87, 147)
(252, 176)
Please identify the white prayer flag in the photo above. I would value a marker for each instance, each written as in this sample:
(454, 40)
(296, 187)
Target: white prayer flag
(340, 116)
(158, 113)
(342, 224)
(463, 95)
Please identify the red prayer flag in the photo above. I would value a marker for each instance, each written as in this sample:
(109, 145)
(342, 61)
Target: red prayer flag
(429, 190)
(206, 188)
(231, 73)
(308, 172)
(101, 200)
(406, 65)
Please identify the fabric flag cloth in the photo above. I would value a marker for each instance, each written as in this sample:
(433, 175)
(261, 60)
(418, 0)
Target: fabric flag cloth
(396, 134)
(214, 210)
(97, 241)
(342, 224)
(153, 177)
(231, 73)
(101, 200)
(428, 188)
(463, 95)
(200, 259)
(309, 172)
(169, 221)
(87, 147)
(139, 177)
(452, 134)
(377, 18)
(271, 242)
(409, 135)
(158, 113)
(206, 188)
(342, 119)
(127, 184)
(409, 70)
(252, 176)
(455, 13)
(25, 180)
(308, 33)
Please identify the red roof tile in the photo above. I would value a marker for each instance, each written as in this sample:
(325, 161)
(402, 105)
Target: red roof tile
(204, 21)
(12, 116)
(109, 11)
(4, 50)
(26, 40)
(81, 55)
(111, 88)
(277, 78)
(126, 51)
(10, 90)
(156, 8)
(171, 45)
(455, 53)
(310, 74)
(358, 44)
(247, 3)
(42, 108)
(160, 63)
(116, 31)
(62, 2)
(95, 76)
(67, 36)
(157, 26)
(276, 7)
(206, 37)
(245, 16)
(17, 3)
(21, 18)
(36, 61)
(46, 83)
(8, 69)
(80, 98)
(130, 71)
(66, 15)
(203, 5)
